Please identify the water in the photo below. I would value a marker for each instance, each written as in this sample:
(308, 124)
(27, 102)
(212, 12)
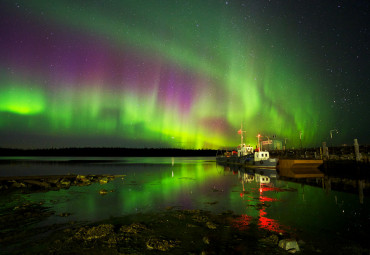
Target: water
(314, 213)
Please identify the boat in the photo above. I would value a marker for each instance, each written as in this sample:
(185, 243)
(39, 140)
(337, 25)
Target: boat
(247, 156)
(259, 159)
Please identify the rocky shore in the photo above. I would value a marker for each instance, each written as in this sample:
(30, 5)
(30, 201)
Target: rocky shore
(53, 182)
(171, 231)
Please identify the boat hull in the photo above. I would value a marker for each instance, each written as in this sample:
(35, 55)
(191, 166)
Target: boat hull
(248, 162)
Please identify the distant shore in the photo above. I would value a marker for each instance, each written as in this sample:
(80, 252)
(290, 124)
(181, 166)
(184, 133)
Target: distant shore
(108, 152)
(337, 152)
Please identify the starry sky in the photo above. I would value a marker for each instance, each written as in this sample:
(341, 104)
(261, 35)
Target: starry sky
(183, 73)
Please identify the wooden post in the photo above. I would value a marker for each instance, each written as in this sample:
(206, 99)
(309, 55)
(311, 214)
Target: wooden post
(357, 150)
(325, 150)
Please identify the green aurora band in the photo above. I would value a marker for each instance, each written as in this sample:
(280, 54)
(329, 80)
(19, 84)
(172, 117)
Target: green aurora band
(202, 75)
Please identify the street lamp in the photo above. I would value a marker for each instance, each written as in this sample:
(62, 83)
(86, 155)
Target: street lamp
(331, 133)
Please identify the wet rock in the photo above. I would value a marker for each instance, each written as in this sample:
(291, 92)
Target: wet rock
(83, 180)
(194, 211)
(94, 233)
(103, 192)
(134, 228)
(200, 218)
(289, 244)
(206, 240)
(211, 225)
(38, 183)
(65, 182)
(53, 181)
(45, 183)
(180, 216)
(155, 243)
(18, 185)
(103, 180)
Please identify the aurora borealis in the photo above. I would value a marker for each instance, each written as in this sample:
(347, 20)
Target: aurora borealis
(182, 73)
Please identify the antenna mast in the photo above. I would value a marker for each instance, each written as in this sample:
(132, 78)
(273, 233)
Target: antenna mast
(241, 134)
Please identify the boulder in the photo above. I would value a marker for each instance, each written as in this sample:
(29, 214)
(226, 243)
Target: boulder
(103, 180)
(65, 182)
(18, 185)
(83, 179)
(211, 225)
(103, 192)
(289, 245)
(93, 233)
(155, 243)
(38, 183)
(53, 180)
(134, 228)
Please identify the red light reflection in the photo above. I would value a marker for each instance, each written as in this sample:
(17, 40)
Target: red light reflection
(269, 224)
(262, 221)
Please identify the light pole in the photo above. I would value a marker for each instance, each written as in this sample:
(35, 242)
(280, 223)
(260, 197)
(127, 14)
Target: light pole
(331, 137)
(300, 138)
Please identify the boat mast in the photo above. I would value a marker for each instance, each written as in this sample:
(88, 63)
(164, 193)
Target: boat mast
(241, 134)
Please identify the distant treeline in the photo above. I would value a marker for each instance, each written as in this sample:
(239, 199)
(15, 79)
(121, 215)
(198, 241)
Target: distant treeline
(108, 152)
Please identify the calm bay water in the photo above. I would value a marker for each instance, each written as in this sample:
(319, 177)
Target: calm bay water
(314, 213)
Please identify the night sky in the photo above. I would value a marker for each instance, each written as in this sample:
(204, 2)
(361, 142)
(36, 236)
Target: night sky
(179, 73)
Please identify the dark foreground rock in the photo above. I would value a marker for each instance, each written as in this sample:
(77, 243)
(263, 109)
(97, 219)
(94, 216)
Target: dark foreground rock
(28, 184)
(169, 232)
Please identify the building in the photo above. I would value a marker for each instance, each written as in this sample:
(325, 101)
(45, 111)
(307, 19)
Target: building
(272, 145)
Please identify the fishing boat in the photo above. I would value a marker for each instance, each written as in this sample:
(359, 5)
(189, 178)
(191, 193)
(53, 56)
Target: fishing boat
(259, 159)
(247, 156)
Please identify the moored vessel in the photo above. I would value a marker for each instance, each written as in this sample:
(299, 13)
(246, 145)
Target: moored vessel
(247, 156)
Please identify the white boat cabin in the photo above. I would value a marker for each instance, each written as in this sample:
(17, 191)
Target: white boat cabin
(261, 155)
(244, 150)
